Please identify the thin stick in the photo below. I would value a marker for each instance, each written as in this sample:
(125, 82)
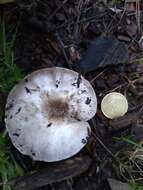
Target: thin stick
(103, 145)
(63, 49)
(138, 14)
(92, 80)
(53, 14)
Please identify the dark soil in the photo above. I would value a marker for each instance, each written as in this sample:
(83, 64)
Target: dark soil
(58, 33)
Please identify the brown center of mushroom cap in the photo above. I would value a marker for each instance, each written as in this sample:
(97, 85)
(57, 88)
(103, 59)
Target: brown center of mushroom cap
(57, 108)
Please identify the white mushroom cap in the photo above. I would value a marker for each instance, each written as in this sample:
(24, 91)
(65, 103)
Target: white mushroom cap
(47, 114)
(114, 105)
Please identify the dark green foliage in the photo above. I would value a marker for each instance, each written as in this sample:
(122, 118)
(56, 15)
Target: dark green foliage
(9, 72)
(9, 75)
(8, 167)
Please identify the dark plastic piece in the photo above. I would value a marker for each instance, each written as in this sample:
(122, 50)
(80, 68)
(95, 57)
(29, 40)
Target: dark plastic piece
(102, 52)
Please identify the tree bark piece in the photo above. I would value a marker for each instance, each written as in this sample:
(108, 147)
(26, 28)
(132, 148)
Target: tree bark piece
(53, 173)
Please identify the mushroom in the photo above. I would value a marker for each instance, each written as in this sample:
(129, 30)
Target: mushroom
(114, 105)
(47, 114)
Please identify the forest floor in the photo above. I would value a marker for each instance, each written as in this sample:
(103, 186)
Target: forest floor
(39, 34)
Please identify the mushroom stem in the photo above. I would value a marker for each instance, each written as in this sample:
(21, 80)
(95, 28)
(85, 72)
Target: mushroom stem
(58, 109)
